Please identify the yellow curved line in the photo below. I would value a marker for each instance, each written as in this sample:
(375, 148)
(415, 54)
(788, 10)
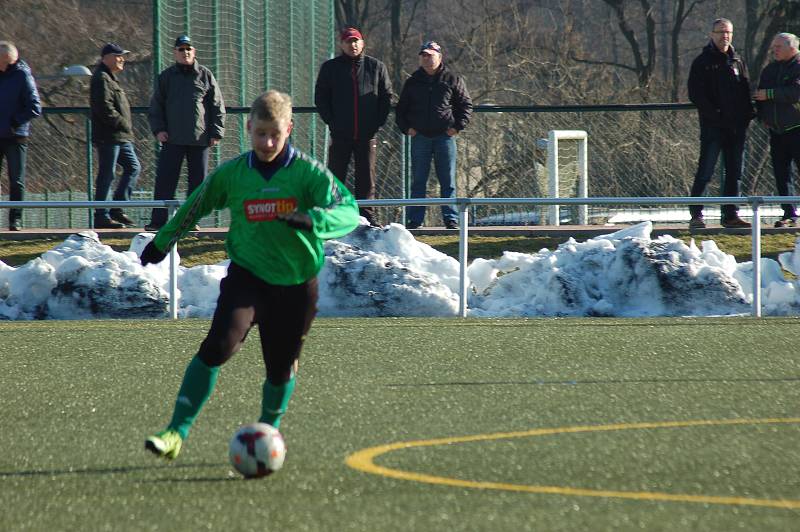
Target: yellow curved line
(364, 461)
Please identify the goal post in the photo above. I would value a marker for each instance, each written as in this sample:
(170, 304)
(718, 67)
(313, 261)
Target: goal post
(553, 138)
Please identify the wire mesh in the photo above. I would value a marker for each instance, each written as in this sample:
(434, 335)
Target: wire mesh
(632, 153)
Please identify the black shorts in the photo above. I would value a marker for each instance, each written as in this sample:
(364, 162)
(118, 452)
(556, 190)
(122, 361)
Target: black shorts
(283, 315)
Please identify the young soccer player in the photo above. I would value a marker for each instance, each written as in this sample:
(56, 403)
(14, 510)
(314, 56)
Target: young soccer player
(283, 205)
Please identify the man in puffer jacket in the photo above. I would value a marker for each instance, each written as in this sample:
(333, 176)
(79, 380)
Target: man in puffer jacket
(778, 104)
(19, 104)
(434, 107)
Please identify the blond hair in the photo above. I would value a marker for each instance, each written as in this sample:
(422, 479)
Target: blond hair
(273, 106)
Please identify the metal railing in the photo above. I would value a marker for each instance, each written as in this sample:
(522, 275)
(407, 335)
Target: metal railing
(463, 204)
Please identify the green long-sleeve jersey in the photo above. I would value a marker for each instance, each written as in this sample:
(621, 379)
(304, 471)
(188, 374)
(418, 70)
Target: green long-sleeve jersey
(257, 240)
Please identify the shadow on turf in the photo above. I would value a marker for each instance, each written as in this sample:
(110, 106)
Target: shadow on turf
(593, 381)
(108, 470)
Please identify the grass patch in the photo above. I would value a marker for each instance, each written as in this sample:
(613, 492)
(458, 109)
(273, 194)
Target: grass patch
(79, 397)
(202, 250)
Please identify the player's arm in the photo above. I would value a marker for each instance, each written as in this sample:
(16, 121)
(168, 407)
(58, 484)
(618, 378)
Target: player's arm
(207, 197)
(334, 211)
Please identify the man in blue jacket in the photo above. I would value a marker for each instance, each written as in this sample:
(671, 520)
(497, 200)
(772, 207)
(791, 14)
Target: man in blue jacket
(434, 107)
(19, 103)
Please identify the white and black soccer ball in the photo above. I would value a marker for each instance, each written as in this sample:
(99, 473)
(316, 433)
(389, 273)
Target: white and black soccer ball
(257, 450)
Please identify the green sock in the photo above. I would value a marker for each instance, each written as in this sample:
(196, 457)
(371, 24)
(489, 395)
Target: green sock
(198, 383)
(275, 400)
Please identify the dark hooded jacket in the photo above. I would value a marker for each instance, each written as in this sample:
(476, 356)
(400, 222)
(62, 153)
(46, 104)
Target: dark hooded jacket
(433, 104)
(720, 88)
(19, 100)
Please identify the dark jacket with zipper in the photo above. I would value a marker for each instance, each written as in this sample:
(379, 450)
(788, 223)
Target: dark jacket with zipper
(187, 103)
(19, 101)
(720, 88)
(111, 111)
(433, 104)
(353, 96)
(781, 111)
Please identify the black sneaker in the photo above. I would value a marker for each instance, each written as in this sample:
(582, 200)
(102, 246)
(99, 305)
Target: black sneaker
(786, 222)
(107, 223)
(451, 224)
(15, 225)
(154, 228)
(413, 225)
(119, 216)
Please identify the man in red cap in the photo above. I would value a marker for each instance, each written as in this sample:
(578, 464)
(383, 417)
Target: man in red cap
(353, 96)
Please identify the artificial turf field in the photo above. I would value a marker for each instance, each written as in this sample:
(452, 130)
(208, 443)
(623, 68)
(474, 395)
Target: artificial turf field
(537, 424)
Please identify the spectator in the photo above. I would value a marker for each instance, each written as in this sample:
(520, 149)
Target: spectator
(275, 244)
(19, 103)
(719, 87)
(353, 95)
(778, 104)
(434, 107)
(187, 116)
(112, 135)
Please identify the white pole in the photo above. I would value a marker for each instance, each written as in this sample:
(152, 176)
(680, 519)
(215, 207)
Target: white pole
(463, 235)
(552, 172)
(756, 253)
(173, 276)
(583, 179)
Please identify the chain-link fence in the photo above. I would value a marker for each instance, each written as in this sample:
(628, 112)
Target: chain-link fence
(635, 151)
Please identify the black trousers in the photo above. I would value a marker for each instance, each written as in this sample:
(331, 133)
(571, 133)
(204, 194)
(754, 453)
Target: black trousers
(170, 160)
(283, 315)
(730, 142)
(783, 150)
(363, 153)
(15, 152)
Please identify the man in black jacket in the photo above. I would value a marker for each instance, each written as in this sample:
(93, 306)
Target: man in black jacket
(112, 135)
(778, 103)
(719, 87)
(353, 94)
(187, 116)
(434, 107)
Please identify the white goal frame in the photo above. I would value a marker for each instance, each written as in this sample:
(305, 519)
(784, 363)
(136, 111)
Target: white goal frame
(552, 171)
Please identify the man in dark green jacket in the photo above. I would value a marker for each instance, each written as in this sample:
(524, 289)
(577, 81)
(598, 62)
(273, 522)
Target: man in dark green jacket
(778, 103)
(187, 116)
(112, 135)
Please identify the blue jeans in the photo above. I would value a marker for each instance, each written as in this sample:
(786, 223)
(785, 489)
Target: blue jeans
(730, 142)
(784, 149)
(110, 154)
(442, 149)
(15, 154)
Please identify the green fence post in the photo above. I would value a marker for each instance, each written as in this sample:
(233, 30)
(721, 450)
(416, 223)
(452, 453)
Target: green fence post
(242, 74)
(311, 66)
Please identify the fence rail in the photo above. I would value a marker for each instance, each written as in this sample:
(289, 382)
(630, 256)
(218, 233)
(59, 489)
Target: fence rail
(463, 204)
(634, 150)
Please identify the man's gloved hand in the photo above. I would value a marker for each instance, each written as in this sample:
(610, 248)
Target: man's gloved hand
(151, 254)
(297, 220)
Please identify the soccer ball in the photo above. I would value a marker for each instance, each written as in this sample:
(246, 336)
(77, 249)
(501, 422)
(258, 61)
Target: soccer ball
(257, 450)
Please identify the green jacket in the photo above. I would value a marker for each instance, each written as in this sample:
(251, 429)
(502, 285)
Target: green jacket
(257, 240)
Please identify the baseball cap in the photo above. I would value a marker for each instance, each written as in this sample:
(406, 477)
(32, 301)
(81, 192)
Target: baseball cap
(112, 48)
(430, 46)
(183, 39)
(350, 33)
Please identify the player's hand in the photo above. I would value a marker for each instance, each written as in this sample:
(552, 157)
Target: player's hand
(162, 137)
(151, 254)
(412, 132)
(297, 220)
(452, 132)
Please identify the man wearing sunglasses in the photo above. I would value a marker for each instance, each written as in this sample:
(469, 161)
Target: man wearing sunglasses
(187, 116)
